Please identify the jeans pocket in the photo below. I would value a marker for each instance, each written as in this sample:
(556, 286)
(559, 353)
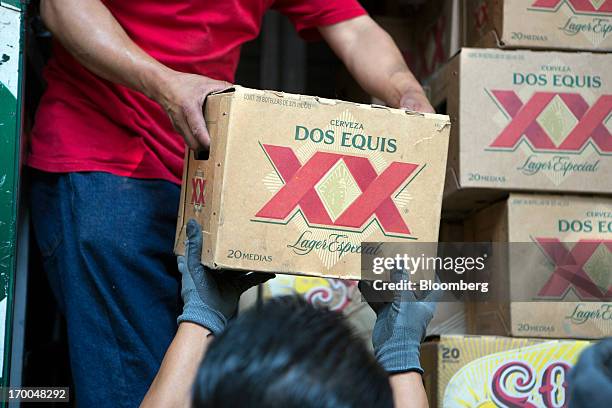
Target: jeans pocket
(47, 191)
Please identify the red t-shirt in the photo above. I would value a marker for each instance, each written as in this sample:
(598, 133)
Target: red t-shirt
(85, 123)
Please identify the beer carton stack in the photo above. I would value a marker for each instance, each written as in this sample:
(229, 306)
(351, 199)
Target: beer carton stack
(530, 164)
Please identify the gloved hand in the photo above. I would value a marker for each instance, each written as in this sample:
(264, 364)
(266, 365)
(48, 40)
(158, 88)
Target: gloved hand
(210, 297)
(400, 326)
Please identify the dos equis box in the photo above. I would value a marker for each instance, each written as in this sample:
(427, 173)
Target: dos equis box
(557, 279)
(542, 123)
(295, 184)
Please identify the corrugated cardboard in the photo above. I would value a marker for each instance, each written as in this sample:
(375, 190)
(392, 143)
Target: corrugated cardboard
(479, 371)
(344, 296)
(525, 120)
(550, 24)
(294, 184)
(553, 224)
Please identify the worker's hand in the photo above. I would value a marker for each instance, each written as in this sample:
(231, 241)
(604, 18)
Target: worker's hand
(210, 297)
(182, 97)
(400, 326)
(414, 99)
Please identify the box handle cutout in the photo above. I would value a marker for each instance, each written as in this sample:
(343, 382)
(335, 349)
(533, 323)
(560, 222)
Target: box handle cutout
(201, 154)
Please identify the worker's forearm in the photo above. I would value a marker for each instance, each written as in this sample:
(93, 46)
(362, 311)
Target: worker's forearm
(172, 385)
(408, 390)
(372, 58)
(88, 30)
(383, 73)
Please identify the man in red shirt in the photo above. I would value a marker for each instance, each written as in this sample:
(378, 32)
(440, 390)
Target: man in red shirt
(125, 90)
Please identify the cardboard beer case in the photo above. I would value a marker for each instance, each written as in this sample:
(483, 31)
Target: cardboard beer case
(558, 278)
(294, 184)
(483, 371)
(548, 24)
(525, 120)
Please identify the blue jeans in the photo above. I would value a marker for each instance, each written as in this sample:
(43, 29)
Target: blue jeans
(107, 243)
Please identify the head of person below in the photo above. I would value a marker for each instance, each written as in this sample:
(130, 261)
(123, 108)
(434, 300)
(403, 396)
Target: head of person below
(286, 353)
(290, 354)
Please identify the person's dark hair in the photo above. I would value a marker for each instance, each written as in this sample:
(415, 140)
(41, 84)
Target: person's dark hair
(290, 354)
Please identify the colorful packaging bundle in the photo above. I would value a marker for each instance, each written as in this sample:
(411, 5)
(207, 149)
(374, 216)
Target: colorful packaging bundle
(481, 371)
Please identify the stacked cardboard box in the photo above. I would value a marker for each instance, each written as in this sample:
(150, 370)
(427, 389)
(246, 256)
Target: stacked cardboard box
(344, 296)
(529, 166)
(334, 294)
(524, 120)
(557, 282)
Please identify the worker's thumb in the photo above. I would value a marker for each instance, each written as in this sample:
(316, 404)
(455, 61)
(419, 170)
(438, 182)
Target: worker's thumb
(194, 245)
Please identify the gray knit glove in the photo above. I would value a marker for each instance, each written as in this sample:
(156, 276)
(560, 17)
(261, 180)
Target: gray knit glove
(400, 327)
(210, 297)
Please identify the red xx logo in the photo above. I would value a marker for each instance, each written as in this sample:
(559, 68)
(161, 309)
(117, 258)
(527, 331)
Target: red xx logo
(299, 190)
(589, 126)
(197, 190)
(578, 5)
(569, 268)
